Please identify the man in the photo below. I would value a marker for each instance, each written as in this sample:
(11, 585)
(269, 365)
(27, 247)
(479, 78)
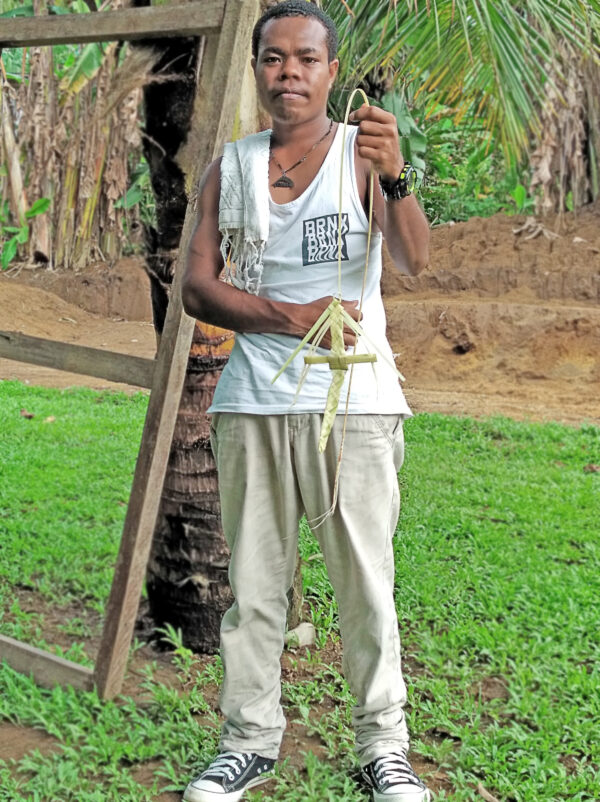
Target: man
(264, 441)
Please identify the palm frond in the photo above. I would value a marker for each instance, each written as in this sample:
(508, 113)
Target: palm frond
(479, 57)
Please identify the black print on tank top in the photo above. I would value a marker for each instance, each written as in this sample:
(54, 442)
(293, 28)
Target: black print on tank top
(320, 239)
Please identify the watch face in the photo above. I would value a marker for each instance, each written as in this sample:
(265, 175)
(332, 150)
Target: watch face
(409, 176)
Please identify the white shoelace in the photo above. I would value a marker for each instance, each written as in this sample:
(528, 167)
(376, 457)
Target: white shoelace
(228, 764)
(395, 769)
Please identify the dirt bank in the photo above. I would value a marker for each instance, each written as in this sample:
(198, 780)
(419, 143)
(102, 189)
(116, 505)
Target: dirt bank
(506, 319)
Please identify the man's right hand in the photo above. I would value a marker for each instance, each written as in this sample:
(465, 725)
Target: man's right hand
(309, 313)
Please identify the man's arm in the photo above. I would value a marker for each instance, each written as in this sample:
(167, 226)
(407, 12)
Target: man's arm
(402, 222)
(207, 298)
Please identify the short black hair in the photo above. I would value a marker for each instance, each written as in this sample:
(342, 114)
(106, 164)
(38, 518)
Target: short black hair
(297, 8)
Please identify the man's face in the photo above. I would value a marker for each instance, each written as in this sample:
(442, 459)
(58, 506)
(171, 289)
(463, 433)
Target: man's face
(292, 69)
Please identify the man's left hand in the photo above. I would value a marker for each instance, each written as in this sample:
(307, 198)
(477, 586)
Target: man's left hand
(378, 142)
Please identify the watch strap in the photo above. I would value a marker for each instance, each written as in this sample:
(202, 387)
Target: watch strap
(403, 186)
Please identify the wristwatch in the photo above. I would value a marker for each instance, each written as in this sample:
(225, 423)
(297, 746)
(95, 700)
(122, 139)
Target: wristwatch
(402, 187)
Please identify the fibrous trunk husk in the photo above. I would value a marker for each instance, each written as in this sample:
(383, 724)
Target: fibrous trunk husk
(566, 158)
(186, 579)
(16, 193)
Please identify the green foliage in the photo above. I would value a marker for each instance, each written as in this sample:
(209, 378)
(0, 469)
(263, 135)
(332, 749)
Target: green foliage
(75, 68)
(17, 235)
(140, 193)
(413, 141)
(80, 66)
(509, 526)
(17, 11)
(466, 175)
(64, 57)
(485, 65)
(497, 581)
(462, 190)
(462, 171)
(519, 195)
(97, 742)
(462, 174)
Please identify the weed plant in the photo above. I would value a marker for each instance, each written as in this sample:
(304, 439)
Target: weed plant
(498, 578)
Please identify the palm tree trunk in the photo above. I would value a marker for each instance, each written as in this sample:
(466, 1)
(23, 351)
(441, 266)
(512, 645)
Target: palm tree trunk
(187, 581)
(187, 572)
(186, 576)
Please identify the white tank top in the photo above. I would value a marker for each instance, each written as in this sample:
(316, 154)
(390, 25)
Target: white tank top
(300, 265)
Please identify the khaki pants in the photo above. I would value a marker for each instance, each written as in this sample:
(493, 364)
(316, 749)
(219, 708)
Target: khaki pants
(270, 473)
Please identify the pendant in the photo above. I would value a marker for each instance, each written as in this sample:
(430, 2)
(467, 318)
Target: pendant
(284, 182)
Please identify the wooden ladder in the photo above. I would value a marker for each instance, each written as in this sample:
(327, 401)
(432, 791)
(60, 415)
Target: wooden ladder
(227, 28)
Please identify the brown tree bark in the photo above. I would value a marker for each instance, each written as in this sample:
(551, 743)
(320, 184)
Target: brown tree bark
(187, 572)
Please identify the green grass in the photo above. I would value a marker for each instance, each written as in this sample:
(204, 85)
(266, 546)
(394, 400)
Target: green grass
(498, 581)
(65, 476)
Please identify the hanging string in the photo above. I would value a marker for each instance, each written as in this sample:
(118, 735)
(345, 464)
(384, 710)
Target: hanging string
(322, 518)
(333, 319)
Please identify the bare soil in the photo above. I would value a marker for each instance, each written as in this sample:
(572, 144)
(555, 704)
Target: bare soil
(101, 307)
(502, 322)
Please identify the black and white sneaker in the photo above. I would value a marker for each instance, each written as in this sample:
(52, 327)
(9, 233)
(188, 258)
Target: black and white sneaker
(229, 776)
(393, 780)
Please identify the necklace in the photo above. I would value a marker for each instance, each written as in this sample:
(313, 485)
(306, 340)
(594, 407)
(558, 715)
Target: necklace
(284, 180)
